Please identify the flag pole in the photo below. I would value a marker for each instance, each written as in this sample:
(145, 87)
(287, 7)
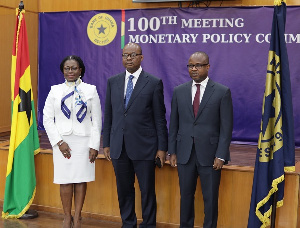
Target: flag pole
(273, 215)
(30, 213)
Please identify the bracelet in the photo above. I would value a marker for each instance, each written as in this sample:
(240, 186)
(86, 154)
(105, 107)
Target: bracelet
(60, 143)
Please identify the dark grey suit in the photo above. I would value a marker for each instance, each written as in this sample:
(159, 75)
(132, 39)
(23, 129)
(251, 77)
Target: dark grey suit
(134, 134)
(197, 142)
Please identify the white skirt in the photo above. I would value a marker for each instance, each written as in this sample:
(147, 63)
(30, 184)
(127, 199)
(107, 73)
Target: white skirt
(78, 168)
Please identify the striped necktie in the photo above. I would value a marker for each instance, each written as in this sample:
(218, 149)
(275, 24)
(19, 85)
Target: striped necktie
(196, 102)
(129, 90)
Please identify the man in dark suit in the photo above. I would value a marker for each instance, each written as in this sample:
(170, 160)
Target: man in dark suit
(134, 134)
(199, 138)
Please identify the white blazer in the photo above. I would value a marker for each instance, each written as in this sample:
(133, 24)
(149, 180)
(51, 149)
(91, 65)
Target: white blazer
(57, 124)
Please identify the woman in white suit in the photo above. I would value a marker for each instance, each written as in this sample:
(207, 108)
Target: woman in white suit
(73, 121)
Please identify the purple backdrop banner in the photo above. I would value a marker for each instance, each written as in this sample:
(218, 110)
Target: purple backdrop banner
(236, 40)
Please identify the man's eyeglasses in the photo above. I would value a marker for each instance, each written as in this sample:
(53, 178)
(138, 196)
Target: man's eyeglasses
(132, 55)
(67, 69)
(197, 66)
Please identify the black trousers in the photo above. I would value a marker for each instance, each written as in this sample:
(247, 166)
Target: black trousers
(210, 181)
(125, 170)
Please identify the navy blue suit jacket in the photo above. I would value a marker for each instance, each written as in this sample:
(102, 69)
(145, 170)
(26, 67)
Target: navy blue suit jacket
(211, 130)
(142, 124)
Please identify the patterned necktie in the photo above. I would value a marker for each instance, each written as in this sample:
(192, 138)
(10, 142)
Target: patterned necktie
(196, 102)
(129, 90)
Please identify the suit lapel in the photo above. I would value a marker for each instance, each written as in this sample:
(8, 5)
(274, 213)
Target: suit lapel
(188, 96)
(206, 96)
(140, 84)
(121, 85)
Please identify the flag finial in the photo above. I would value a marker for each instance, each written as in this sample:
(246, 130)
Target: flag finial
(21, 5)
(278, 2)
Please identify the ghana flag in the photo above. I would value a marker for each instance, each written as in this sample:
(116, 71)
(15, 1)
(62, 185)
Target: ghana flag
(20, 183)
(276, 143)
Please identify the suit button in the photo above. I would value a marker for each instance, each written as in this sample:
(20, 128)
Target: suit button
(125, 114)
(195, 124)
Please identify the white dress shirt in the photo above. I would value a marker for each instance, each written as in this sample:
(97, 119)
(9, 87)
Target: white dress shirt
(134, 80)
(202, 89)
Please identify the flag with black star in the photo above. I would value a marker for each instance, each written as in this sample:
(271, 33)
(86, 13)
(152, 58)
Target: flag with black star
(20, 186)
(276, 143)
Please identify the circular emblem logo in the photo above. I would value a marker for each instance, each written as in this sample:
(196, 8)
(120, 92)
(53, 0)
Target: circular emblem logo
(102, 29)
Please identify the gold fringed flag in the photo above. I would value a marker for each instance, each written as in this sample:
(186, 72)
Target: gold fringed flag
(20, 183)
(276, 143)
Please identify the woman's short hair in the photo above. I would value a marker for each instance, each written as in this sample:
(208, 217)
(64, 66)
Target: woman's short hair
(77, 59)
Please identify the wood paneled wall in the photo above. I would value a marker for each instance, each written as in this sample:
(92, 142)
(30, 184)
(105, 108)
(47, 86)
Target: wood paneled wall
(102, 202)
(30, 5)
(7, 25)
(7, 18)
(58, 5)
